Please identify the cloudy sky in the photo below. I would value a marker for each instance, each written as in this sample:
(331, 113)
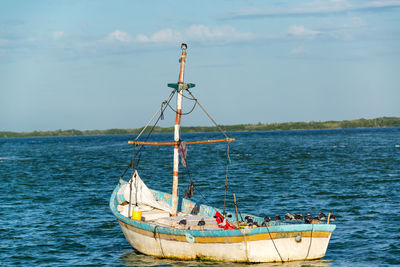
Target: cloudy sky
(89, 64)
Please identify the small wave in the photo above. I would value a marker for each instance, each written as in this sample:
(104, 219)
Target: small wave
(14, 158)
(397, 146)
(8, 158)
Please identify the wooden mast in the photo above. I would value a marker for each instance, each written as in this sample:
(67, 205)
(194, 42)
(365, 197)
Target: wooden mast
(177, 131)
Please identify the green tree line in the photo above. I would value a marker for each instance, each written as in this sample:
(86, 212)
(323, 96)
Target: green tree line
(312, 125)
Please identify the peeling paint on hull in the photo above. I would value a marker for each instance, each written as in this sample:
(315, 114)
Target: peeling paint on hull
(275, 243)
(242, 251)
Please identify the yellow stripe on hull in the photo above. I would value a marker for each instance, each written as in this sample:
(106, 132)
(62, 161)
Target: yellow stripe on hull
(246, 248)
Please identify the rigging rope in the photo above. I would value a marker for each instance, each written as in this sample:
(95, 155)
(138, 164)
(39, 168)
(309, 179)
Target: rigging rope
(163, 107)
(226, 177)
(182, 113)
(209, 116)
(160, 109)
(226, 136)
(190, 98)
(309, 246)
(190, 178)
(274, 244)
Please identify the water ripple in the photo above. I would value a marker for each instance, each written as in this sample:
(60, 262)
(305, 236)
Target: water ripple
(55, 191)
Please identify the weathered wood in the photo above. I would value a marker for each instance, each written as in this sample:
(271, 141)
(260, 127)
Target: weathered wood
(236, 210)
(177, 136)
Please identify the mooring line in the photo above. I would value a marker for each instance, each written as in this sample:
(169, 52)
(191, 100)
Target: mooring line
(159, 239)
(309, 246)
(274, 244)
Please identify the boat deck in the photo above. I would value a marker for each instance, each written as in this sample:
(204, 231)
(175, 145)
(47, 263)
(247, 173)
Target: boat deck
(183, 221)
(187, 222)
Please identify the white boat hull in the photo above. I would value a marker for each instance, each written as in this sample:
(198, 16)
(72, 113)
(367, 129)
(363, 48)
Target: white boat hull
(267, 250)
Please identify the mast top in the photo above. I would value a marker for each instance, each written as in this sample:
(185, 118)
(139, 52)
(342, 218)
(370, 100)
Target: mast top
(184, 47)
(180, 85)
(182, 60)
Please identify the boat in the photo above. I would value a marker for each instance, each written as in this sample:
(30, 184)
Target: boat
(167, 225)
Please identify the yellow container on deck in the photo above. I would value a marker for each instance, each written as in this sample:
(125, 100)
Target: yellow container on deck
(137, 215)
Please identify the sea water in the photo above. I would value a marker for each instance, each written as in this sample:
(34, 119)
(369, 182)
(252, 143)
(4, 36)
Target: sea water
(54, 201)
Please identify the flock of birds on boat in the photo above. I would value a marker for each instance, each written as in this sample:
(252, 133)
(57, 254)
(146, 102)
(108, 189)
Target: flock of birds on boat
(297, 217)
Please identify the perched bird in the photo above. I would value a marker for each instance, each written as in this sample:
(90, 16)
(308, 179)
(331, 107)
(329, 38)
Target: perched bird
(248, 219)
(267, 219)
(183, 222)
(201, 222)
(289, 217)
(308, 218)
(277, 217)
(322, 216)
(298, 217)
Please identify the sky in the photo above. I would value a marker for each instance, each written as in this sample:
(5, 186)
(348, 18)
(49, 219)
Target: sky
(93, 64)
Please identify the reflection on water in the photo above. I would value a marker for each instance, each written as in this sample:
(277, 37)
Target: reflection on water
(134, 258)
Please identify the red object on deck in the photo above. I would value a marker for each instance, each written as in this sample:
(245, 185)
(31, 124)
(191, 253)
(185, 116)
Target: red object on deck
(222, 222)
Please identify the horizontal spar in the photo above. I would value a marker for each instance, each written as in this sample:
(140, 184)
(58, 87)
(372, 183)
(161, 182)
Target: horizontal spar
(174, 143)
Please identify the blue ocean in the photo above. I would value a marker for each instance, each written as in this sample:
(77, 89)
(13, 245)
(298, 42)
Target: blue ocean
(54, 206)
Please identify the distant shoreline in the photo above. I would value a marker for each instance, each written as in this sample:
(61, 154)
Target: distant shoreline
(313, 125)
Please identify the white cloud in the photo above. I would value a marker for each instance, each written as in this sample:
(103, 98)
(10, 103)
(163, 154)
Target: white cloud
(224, 33)
(357, 22)
(163, 36)
(297, 51)
(301, 31)
(120, 36)
(314, 8)
(57, 35)
(383, 3)
(325, 6)
(197, 32)
(351, 29)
